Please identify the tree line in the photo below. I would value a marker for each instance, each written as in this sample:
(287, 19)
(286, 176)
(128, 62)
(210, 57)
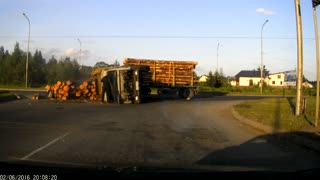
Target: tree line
(40, 70)
(217, 80)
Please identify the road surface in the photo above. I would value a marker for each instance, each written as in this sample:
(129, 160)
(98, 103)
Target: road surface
(198, 134)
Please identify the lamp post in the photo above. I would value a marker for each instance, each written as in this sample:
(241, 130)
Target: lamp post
(261, 67)
(80, 52)
(27, 63)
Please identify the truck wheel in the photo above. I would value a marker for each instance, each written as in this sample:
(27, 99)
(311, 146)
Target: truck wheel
(188, 93)
(180, 93)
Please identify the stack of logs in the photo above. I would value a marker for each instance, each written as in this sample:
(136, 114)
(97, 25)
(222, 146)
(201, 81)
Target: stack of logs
(167, 72)
(68, 90)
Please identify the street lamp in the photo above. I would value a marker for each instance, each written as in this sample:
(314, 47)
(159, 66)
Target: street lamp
(80, 53)
(261, 68)
(27, 63)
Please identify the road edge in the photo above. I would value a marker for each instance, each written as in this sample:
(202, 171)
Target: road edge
(253, 124)
(296, 139)
(26, 90)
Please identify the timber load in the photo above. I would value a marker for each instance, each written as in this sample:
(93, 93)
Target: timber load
(68, 90)
(170, 73)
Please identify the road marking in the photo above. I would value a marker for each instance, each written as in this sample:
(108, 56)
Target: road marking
(44, 147)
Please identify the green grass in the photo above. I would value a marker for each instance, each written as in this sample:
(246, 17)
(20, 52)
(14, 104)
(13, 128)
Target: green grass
(278, 112)
(11, 86)
(256, 90)
(212, 89)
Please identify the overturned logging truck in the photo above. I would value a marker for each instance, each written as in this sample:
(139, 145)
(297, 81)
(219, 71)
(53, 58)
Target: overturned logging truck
(133, 81)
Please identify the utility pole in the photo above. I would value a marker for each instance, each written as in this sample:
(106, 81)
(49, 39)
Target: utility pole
(27, 63)
(80, 52)
(261, 67)
(218, 57)
(315, 20)
(300, 58)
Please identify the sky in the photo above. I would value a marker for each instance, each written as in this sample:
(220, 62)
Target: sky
(112, 30)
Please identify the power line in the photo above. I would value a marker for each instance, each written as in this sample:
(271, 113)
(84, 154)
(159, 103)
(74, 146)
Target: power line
(154, 37)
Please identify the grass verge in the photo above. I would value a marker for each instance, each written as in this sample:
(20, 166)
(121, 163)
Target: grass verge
(278, 112)
(6, 86)
(254, 90)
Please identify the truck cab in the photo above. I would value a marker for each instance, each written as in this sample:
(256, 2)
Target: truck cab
(124, 84)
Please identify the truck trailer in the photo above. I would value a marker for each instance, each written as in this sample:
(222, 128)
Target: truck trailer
(134, 81)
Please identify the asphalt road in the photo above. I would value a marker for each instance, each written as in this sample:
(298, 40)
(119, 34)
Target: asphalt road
(199, 134)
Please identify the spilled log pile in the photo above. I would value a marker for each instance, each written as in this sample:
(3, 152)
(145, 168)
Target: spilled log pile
(68, 90)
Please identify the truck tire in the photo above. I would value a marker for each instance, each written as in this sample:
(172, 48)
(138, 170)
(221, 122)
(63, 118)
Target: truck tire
(186, 93)
(180, 93)
(189, 94)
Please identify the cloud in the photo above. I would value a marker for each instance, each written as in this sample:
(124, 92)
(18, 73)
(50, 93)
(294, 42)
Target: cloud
(265, 11)
(48, 53)
(76, 52)
(87, 53)
(54, 51)
(71, 52)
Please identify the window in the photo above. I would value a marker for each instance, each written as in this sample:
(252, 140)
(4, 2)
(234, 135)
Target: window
(279, 76)
(280, 82)
(273, 82)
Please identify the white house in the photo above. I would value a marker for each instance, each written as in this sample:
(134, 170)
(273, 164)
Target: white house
(203, 78)
(249, 78)
(276, 79)
(307, 85)
(233, 82)
(282, 79)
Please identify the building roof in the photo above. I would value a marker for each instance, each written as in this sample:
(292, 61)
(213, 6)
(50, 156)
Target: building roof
(276, 73)
(250, 73)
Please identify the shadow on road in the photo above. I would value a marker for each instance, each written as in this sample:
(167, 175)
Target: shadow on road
(6, 98)
(173, 95)
(9, 98)
(202, 96)
(258, 153)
